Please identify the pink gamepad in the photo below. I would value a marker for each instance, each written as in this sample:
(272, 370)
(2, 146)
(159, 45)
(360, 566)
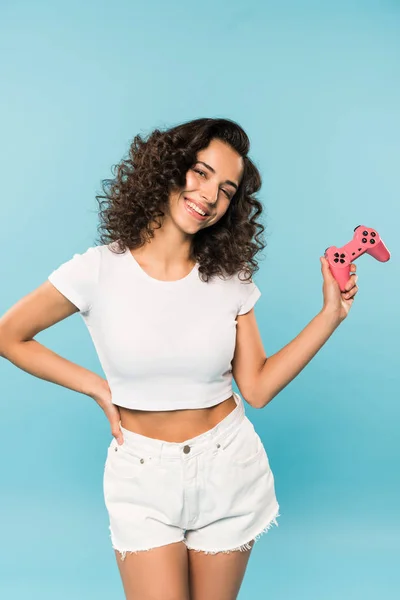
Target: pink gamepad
(364, 240)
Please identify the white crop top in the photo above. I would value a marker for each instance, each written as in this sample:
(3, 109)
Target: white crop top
(163, 345)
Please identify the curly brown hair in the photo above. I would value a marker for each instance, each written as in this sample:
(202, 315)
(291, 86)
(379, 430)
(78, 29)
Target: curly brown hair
(134, 200)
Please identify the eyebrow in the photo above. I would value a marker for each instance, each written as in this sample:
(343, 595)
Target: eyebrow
(232, 183)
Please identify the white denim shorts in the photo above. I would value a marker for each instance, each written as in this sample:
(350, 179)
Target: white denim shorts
(215, 492)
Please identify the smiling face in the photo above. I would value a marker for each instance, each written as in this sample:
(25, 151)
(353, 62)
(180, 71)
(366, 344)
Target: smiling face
(210, 184)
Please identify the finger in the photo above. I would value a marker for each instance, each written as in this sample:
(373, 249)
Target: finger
(351, 282)
(116, 431)
(351, 293)
(119, 437)
(353, 267)
(326, 272)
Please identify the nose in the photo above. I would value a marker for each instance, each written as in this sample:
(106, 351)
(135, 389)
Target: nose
(210, 206)
(209, 193)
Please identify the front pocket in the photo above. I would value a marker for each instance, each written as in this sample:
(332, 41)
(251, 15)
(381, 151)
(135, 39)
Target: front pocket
(249, 453)
(124, 463)
(244, 447)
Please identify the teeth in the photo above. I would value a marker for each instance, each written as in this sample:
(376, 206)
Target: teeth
(196, 208)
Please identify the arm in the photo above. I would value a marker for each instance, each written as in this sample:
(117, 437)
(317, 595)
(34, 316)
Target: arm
(282, 367)
(35, 312)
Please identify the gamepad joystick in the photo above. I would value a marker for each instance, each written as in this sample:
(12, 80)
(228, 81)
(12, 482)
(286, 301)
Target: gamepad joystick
(364, 240)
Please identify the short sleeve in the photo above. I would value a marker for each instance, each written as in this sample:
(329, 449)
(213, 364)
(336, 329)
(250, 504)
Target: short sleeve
(77, 278)
(249, 294)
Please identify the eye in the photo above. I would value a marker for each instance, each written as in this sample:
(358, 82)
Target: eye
(203, 173)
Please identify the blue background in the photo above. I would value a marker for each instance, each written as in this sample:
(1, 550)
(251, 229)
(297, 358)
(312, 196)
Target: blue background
(316, 86)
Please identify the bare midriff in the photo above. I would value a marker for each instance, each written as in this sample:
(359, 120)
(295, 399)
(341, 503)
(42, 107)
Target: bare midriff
(175, 425)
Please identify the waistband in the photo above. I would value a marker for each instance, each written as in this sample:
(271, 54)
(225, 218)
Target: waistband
(191, 447)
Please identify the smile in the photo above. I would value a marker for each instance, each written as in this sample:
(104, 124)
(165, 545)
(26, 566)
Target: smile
(194, 210)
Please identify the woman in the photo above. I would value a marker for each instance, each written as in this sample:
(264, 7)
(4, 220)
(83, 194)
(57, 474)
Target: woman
(187, 481)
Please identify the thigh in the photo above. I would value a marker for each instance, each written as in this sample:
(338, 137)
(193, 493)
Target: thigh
(217, 576)
(156, 574)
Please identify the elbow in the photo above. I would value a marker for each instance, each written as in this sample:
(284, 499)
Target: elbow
(3, 349)
(2, 345)
(260, 395)
(261, 402)
(6, 345)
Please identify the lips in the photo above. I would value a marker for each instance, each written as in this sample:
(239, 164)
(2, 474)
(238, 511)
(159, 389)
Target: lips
(194, 212)
(199, 204)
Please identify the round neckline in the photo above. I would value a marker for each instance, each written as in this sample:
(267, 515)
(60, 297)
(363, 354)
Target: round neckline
(153, 280)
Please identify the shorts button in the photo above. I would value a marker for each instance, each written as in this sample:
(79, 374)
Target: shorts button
(186, 449)
(116, 449)
(142, 460)
(218, 445)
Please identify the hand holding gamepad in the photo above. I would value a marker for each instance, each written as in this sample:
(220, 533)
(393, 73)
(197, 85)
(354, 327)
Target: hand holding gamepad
(364, 240)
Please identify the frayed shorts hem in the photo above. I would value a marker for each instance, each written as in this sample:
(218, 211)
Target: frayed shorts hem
(241, 547)
(123, 553)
